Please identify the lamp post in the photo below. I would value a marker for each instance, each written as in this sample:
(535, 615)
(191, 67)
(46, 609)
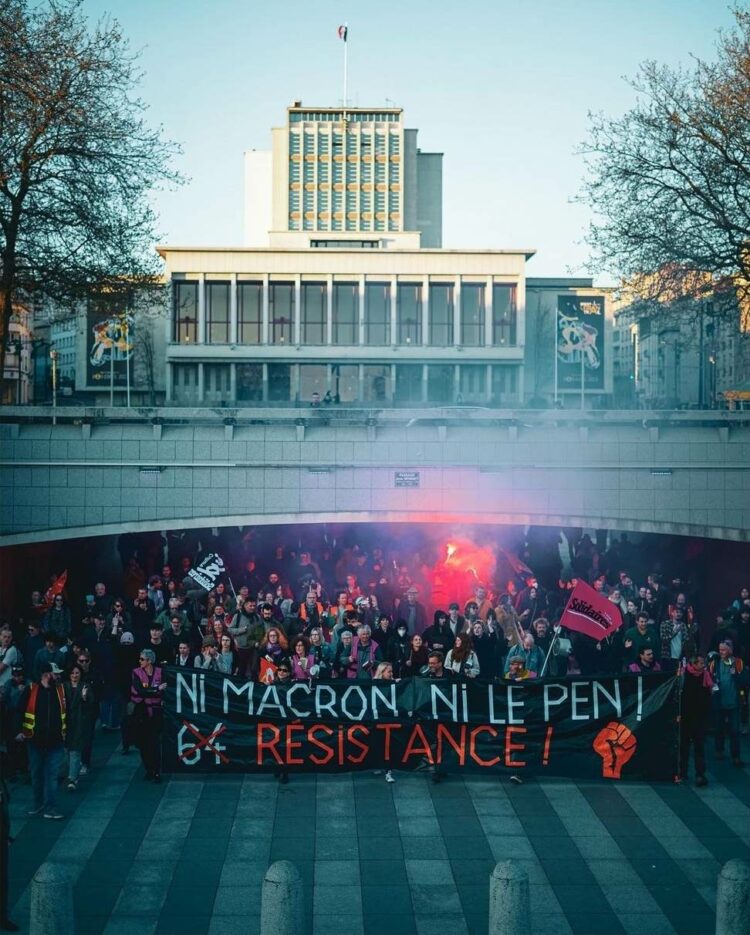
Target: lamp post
(53, 358)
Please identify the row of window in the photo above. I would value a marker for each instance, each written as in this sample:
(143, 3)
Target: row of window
(344, 314)
(346, 383)
(337, 115)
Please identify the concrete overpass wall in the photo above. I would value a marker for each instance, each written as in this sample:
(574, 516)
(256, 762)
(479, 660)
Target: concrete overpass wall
(105, 471)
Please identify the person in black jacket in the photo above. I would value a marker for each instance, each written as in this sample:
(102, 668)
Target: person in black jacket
(439, 636)
(695, 712)
(486, 648)
(399, 647)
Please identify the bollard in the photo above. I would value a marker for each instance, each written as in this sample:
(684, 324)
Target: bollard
(281, 906)
(733, 898)
(52, 901)
(510, 907)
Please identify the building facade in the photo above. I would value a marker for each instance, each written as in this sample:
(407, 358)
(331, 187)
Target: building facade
(335, 176)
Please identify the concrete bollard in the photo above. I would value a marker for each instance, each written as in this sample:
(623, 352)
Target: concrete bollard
(510, 906)
(733, 898)
(281, 904)
(52, 901)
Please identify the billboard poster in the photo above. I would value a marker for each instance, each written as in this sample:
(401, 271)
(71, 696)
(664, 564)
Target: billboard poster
(109, 344)
(579, 338)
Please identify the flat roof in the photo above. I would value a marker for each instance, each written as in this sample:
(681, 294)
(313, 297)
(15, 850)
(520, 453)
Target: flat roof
(163, 249)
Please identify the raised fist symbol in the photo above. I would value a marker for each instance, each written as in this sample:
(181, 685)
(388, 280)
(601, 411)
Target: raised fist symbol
(615, 744)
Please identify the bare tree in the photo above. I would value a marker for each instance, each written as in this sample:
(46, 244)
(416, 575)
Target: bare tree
(77, 160)
(670, 180)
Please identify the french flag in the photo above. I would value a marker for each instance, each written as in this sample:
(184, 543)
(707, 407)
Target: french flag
(342, 32)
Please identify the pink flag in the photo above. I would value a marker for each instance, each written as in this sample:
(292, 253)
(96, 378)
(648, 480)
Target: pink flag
(588, 611)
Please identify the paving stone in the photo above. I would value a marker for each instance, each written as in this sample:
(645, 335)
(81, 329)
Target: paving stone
(237, 900)
(429, 872)
(339, 898)
(380, 923)
(397, 900)
(336, 872)
(416, 848)
(337, 925)
(418, 827)
(441, 925)
(140, 900)
(506, 846)
(333, 848)
(376, 872)
(128, 925)
(645, 924)
(435, 899)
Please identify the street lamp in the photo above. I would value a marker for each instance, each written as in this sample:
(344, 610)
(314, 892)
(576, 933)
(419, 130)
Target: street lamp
(53, 358)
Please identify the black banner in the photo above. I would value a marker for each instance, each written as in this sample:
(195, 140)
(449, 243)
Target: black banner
(612, 728)
(580, 334)
(209, 570)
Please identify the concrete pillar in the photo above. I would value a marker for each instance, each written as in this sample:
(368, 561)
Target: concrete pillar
(733, 898)
(510, 908)
(233, 308)
(281, 906)
(51, 901)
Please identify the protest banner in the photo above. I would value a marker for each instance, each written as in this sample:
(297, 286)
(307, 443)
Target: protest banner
(611, 727)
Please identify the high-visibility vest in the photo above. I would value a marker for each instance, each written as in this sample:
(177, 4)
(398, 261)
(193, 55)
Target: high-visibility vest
(29, 717)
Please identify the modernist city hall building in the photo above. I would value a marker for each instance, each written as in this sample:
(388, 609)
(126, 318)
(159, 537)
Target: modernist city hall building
(343, 286)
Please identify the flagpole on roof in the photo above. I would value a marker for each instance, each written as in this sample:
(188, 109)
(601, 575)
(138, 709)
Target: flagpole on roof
(346, 64)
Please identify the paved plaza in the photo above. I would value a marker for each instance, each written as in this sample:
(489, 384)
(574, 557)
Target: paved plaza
(187, 857)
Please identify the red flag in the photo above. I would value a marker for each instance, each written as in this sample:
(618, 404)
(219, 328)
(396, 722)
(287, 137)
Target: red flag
(267, 673)
(588, 611)
(55, 588)
(517, 566)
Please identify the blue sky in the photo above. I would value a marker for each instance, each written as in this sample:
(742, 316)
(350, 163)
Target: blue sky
(502, 89)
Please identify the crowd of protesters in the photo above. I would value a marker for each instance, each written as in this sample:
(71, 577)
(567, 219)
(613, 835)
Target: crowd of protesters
(351, 612)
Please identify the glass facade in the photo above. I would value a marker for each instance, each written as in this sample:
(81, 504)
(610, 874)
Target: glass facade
(377, 313)
(217, 383)
(440, 383)
(279, 383)
(472, 314)
(185, 384)
(185, 312)
(504, 316)
(313, 378)
(409, 383)
(280, 312)
(376, 383)
(217, 312)
(250, 312)
(249, 383)
(314, 301)
(345, 313)
(409, 313)
(441, 314)
(473, 383)
(345, 383)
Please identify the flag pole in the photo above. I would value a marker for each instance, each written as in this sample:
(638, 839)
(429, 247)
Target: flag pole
(554, 347)
(346, 64)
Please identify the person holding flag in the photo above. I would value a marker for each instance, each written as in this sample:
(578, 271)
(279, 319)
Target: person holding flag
(591, 614)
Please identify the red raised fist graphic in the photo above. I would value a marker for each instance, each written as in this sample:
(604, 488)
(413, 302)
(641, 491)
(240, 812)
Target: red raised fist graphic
(615, 744)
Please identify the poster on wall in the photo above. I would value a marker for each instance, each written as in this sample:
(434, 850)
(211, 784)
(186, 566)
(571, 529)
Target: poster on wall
(109, 350)
(579, 342)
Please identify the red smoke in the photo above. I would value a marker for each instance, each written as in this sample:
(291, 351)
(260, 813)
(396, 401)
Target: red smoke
(461, 567)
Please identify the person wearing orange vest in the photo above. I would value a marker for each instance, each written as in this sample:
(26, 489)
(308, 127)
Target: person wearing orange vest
(43, 728)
